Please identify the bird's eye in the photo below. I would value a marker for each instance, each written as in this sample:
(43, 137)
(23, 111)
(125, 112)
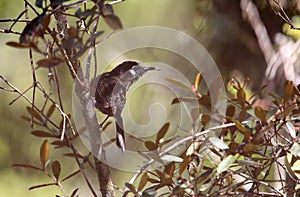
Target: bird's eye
(106, 105)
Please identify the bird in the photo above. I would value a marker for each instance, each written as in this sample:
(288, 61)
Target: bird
(110, 93)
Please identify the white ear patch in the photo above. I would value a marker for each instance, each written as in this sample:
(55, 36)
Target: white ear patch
(132, 72)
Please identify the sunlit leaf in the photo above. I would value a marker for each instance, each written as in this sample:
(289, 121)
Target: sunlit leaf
(131, 188)
(44, 153)
(113, 21)
(143, 181)
(291, 129)
(197, 80)
(193, 147)
(295, 149)
(149, 192)
(56, 168)
(218, 143)
(171, 158)
(161, 133)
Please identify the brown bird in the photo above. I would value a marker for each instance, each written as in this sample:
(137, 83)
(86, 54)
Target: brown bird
(110, 94)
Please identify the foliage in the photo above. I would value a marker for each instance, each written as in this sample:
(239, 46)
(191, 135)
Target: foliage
(251, 143)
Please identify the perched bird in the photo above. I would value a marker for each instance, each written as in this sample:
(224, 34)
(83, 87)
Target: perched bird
(110, 94)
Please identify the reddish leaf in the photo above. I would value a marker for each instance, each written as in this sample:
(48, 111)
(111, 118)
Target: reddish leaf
(19, 45)
(72, 155)
(230, 111)
(205, 119)
(34, 113)
(50, 110)
(241, 96)
(70, 176)
(44, 153)
(74, 192)
(113, 21)
(288, 90)
(29, 120)
(261, 114)
(26, 166)
(56, 169)
(143, 181)
(131, 188)
(49, 62)
(59, 143)
(42, 185)
(39, 133)
(184, 164)
(162, 132)
(150, 146)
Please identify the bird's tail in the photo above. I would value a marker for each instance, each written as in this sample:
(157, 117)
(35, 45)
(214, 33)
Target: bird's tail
(120, 138)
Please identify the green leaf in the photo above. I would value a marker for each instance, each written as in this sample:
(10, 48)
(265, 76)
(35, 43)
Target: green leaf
(218, 143)
(225, 163)
(291, 129)
(295, 149)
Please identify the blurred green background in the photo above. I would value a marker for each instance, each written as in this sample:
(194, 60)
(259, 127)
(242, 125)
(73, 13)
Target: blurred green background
(217, 25)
